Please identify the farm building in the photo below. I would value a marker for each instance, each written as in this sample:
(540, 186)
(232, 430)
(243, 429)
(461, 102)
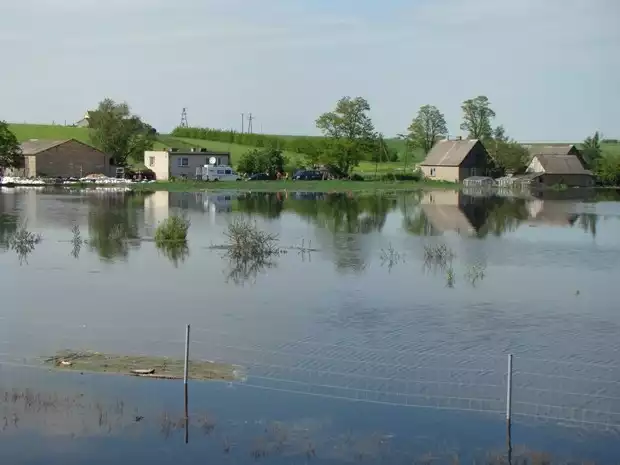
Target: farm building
(171, 163)
(554, 149)
(64, 158)
(549, 170)
(455, 160)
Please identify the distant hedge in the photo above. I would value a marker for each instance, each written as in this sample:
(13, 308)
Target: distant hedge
(301, 144)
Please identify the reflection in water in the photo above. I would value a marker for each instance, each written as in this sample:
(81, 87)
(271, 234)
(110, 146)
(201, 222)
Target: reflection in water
(8, 227)
(113, 224)
(176, 252)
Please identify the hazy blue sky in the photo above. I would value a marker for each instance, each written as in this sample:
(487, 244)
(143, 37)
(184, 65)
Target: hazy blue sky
(551, 68)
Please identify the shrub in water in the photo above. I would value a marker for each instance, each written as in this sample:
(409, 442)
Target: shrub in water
(172, 230)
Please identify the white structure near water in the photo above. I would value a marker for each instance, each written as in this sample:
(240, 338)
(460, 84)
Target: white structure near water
(174, 163)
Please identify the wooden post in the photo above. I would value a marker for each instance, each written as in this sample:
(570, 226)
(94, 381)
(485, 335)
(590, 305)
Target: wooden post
(509, 408)
(185, 377)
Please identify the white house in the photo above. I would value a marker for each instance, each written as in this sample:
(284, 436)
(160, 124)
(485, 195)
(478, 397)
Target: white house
(181, 164)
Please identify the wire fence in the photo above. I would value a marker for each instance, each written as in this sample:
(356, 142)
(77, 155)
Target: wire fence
(580, 393)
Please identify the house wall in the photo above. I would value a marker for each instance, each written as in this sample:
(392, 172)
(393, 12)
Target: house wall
(157, 162)
(69, 159)
(570, 180)
(535, 167)
(476, 163)
(441, 173)
(166, 165)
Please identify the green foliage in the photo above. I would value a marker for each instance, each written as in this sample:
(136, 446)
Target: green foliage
(591, 150)
(608, 170)
(350, 133)
(506, 154)
(114, 130)
(10, 151)
(172, 230)
(427, 127)
(269, 160)
(477, 116)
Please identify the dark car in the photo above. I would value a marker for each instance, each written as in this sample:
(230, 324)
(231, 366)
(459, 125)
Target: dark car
(260, 177)
(308, 175)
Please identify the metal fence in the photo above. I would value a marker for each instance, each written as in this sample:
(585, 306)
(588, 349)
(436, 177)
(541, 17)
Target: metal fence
(564, 391)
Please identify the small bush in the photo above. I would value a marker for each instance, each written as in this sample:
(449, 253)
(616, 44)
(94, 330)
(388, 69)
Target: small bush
(415, 176)
(172, 229)
(357, 177)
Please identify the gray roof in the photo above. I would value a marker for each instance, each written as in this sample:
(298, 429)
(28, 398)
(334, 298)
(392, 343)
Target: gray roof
(549, 148)
(448, 218)
(34, 146)
(449, 152)
(562, 164)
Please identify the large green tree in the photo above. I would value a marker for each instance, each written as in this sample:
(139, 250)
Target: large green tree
(10, 151)
(350, 132)
(591, 150)
(506, 154)
(427, 127)
(116, 131)
(477, 118)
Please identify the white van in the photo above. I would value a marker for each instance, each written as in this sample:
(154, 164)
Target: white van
(217, 173)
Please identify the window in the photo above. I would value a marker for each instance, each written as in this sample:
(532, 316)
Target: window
(228, 171)
(220, 171)
(433, 170)
(183, 161)
(474, 172)
(151, 161)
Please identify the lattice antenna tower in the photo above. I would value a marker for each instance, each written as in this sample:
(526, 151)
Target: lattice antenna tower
(251, 118)
(184, 118)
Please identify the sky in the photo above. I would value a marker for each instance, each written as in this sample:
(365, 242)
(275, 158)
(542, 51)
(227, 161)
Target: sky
(550, 68)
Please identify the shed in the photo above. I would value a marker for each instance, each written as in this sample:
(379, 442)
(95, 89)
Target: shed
(455, 160)
(62, 158)
(553, 169)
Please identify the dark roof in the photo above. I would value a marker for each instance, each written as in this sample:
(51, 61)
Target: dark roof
(550, 148)
(196, 152)
(561, 164)
(34, 146)
(449, 152)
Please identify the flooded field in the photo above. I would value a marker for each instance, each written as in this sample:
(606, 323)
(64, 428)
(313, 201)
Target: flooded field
(378, 333)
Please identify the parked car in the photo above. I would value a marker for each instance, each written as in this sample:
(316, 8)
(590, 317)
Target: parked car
(260, 177)
(308, 175)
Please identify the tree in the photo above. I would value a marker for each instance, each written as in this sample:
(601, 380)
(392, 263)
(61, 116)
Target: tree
(427, 127)
(270, 161)
(114, 130)
(591, 150)
(477, 116)
(506, 154)
(10, 151)
(350, 132)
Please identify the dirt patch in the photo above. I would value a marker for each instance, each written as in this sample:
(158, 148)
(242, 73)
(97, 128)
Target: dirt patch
(143, 366)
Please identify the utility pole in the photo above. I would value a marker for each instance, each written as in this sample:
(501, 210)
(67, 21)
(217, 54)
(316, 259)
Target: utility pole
(184, 118)
(242, 123)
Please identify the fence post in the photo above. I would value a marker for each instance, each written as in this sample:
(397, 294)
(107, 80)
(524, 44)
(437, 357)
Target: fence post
(509, 407)
(185, 377)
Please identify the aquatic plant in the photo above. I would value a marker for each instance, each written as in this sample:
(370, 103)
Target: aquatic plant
(172, 229)
(23, 242)
(450, 278)
(391, 257)
(247, 242)
(475, 273)
(77, 241)
(438, 254)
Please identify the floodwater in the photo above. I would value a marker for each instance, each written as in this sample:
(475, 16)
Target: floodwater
(356, 345)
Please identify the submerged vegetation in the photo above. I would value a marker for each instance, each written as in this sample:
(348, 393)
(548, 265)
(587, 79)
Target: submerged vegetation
(23, 242)
(438, 255)
(150, 367)
(173, 229)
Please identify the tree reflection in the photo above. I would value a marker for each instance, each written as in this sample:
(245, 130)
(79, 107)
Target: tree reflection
(113, 225)
(8, 227)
